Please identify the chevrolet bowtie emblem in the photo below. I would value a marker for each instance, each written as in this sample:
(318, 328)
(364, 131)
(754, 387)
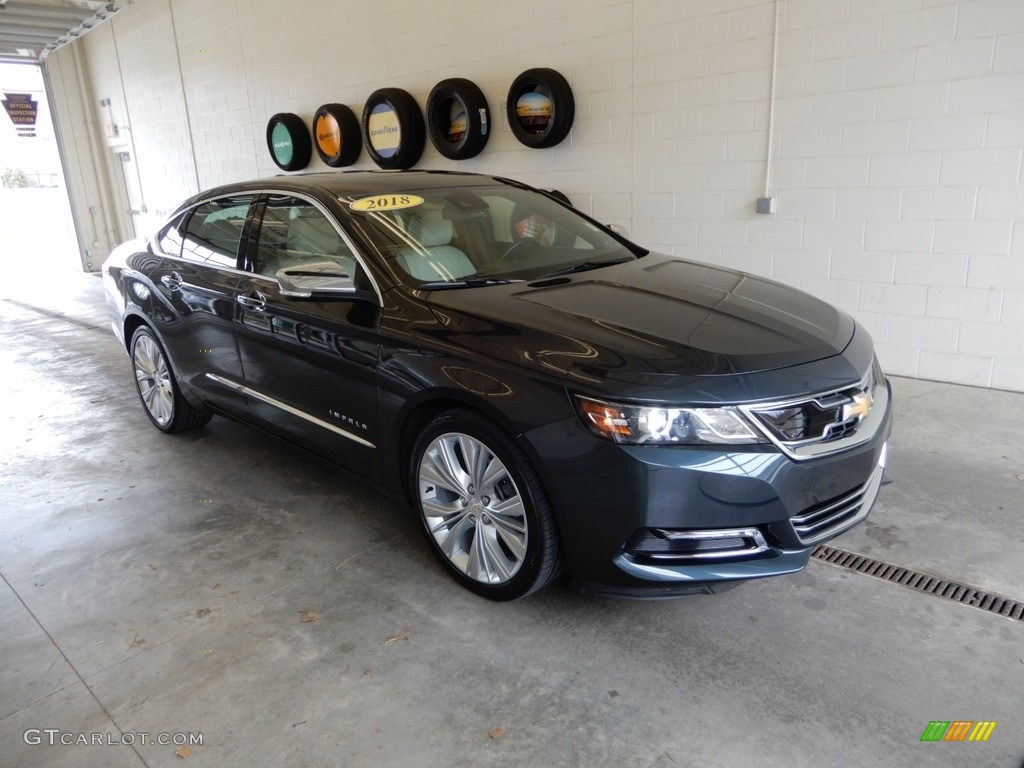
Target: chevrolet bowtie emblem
(859, 408)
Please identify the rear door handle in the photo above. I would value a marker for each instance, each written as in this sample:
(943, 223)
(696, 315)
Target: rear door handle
(172, 281)
(257, 302)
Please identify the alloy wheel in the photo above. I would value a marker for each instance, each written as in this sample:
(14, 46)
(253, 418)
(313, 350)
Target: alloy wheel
(153, 378)
(472, 508)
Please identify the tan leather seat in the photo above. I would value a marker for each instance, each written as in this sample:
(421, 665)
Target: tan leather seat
(431, 257)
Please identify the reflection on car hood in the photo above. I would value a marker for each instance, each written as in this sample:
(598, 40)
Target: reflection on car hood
(655, 315)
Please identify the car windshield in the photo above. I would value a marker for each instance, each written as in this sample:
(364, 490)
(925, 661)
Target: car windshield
(453, 237)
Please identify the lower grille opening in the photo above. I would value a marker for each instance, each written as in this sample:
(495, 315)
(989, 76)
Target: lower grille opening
(819, 521)
(680, 545)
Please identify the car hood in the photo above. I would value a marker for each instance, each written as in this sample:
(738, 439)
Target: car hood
(654, 316)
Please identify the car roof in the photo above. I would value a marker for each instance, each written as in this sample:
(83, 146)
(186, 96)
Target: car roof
(359, 183)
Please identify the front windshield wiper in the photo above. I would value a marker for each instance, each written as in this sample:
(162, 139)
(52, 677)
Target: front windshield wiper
(583, 267)
(474, 282)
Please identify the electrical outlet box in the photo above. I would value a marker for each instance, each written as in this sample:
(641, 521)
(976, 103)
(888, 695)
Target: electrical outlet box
(766, 205)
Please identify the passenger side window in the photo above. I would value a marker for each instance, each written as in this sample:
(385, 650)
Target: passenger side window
(214, 231)
(294, 232)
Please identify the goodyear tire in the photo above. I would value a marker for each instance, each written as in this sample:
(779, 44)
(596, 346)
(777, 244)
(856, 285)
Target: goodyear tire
(288, 141)
(393, 129)
(458, 120)
(540, 108)
(336, 135)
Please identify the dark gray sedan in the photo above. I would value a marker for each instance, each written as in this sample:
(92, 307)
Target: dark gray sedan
(549, 396)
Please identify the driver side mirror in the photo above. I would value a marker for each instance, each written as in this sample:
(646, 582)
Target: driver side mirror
(324, 279)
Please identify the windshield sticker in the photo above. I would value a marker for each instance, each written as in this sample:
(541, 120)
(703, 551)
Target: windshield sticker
(537, 227)
(386, 202)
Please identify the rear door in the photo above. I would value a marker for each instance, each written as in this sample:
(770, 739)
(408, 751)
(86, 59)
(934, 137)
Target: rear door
(309, 365)
(196, 277)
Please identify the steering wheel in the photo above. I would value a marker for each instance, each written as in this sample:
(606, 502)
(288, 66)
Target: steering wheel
(518, 248)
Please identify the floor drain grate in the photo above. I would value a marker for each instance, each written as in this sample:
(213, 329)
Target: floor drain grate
(922, 582)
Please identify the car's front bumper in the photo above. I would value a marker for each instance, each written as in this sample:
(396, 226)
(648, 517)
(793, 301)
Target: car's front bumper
(659, 521)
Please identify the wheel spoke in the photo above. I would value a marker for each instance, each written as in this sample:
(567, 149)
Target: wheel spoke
(506, 567)
(493, 473)
(434, 508)
(508, 508)
(471, 451)
(497, 563)
(451, 543)
(441, 467)
(447, 524)
(164, 404)
(513, 533)
(143, 360)
(478, 459)
(479, 566)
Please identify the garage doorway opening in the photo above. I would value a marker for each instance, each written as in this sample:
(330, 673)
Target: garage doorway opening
(37, 232)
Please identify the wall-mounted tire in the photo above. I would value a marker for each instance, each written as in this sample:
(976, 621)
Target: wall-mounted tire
(393, 129)
(336, 135)
(540, 108)
(288, 141)
(458, 120)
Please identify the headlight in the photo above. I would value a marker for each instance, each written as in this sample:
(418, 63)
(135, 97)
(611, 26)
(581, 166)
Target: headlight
(664, 425)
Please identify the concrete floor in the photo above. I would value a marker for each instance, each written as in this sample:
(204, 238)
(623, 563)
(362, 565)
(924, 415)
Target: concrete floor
(154, 584)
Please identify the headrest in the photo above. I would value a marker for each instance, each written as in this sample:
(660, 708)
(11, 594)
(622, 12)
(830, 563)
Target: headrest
(429, 228)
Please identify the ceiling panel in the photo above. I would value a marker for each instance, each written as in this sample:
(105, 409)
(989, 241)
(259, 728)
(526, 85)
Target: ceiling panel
(31, 29)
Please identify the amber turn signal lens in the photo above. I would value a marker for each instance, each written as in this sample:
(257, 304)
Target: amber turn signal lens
(608, 420)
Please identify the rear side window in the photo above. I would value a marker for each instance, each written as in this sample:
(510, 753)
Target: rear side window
(169, 239)
(214, 231)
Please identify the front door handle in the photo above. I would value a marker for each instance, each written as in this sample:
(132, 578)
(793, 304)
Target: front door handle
(172, 281)
(256, 302)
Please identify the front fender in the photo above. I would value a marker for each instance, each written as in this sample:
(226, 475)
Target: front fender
(416, 387)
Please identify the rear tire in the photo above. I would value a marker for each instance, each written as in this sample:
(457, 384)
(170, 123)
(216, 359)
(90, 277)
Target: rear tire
(482, 507)
(157, 388)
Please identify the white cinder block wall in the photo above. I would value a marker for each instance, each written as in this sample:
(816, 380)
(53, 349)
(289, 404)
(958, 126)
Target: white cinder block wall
(897, 150)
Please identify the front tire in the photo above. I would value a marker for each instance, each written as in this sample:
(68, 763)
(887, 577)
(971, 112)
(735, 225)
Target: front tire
(157, 388)
(482, 507)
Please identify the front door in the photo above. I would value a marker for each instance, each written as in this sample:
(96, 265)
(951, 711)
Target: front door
(310, 366)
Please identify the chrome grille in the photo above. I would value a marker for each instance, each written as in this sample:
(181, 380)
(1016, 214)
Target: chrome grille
(826, 422)
(816, 419)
